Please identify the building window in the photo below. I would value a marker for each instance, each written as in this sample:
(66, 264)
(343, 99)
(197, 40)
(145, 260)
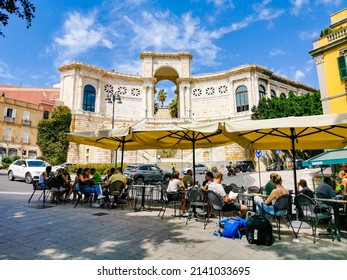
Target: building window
(26, 118)
(2, 152)
(8, 135)
(242, 99)
(262, 92)
(89, 98)
(341, 61)
(272, 94)
(9, 114)
(25, 137)
(283, 95)
(46, 115)
(12, 152)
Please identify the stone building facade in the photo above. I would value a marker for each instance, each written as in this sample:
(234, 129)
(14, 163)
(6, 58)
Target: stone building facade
(226, 95)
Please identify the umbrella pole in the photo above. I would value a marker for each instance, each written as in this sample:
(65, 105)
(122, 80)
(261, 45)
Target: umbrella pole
(297, 222)
(193, 142)
(122, 158)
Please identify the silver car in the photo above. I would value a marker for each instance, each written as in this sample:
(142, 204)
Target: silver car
(146, 172)
(26, 169)
(199, 168)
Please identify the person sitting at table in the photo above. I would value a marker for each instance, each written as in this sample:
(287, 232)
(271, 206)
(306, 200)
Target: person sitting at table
(188, 179)
(229, 204)
(174, 188)
(44, 177)
(343, 178)
(74, 186)
(208, 180)
(117, 176)
(270, 185)
(305, 189)
(268, 204)
(326, 188)
(86, 182)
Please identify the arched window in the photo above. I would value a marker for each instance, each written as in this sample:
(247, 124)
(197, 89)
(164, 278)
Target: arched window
(272, 94)
(89, 98)
(262, 92)
(283, 95)
(242, 99)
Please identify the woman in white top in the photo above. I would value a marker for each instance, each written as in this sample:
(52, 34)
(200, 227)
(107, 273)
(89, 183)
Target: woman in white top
(268, 204)
(175, 183)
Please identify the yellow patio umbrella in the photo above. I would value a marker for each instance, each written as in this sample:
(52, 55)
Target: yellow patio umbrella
(291, 133)
(110, 139)
(177, 136)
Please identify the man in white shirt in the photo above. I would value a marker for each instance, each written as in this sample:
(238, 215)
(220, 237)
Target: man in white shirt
(229, 203)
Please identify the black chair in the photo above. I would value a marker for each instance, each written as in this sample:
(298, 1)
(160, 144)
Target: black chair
(169, 199)
(310, 210)
(282, 209)
(38, 187)
(251, 190)
(86, 191)
(115, 191)
(197, 203)
(216, 204)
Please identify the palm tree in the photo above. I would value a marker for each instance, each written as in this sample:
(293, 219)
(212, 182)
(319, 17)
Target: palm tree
(156, 107)
(162, 96)
(173, 108)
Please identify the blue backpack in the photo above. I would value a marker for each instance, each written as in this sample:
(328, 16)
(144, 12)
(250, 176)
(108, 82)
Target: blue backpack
(232, 227)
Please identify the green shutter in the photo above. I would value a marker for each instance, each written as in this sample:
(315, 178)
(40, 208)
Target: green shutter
(341, 61)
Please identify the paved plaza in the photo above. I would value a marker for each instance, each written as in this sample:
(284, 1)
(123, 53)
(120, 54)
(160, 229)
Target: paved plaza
(60, 232)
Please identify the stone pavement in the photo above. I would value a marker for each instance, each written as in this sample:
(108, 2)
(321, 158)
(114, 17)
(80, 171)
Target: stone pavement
(60, 232)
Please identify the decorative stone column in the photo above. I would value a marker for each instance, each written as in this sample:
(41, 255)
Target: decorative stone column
(148, 89)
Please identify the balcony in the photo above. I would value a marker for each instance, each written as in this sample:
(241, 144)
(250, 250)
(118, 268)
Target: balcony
(26, 122)
(338, 34)
(9, 119)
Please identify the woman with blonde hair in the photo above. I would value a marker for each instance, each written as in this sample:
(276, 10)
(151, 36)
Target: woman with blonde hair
(268, 204)
(343, 177)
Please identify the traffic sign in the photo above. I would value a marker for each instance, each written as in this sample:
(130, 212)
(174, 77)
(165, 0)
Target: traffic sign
(258, 153)
(278, 152)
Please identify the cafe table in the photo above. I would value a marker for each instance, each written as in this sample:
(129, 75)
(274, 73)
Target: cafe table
(335, 204)
(143, 196)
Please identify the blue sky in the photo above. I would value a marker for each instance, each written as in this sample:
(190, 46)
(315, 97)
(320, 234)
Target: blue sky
(221, 34)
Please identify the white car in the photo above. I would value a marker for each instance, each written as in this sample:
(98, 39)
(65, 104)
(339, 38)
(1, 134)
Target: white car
(26, 169)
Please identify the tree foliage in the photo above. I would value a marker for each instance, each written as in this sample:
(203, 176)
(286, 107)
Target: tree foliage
(306, 105)
(279, 107)
(162, 95)
(173, 108)
(51, 137)
(24, 10)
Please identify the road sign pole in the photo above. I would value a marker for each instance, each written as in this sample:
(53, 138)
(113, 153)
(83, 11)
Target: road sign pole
(259, 172)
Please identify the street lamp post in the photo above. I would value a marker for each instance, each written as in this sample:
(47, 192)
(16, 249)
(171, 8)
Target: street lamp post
(112, 98)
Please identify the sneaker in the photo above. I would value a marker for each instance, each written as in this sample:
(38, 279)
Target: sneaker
(100, 196)
(96, 205)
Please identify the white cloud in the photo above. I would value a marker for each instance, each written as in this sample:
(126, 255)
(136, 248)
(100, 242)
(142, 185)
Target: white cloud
(298, 75)
(304, 35)
(164, 32)
(260, 13)
(297, 6)
(222, 3)
(330, 2)
(80, 34)
(129, 67)
(5, 72)
(276, 52)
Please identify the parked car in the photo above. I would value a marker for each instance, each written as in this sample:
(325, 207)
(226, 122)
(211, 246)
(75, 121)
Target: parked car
(26, 169)
(276, 166)
(56, 167)
(146, 172)
(199, 168)
(244, 166)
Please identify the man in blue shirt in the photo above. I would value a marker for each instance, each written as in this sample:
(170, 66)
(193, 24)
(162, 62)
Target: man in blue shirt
(326, 188)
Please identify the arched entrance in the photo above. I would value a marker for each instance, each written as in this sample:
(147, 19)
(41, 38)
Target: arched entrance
(174, 67)
(166, 89)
